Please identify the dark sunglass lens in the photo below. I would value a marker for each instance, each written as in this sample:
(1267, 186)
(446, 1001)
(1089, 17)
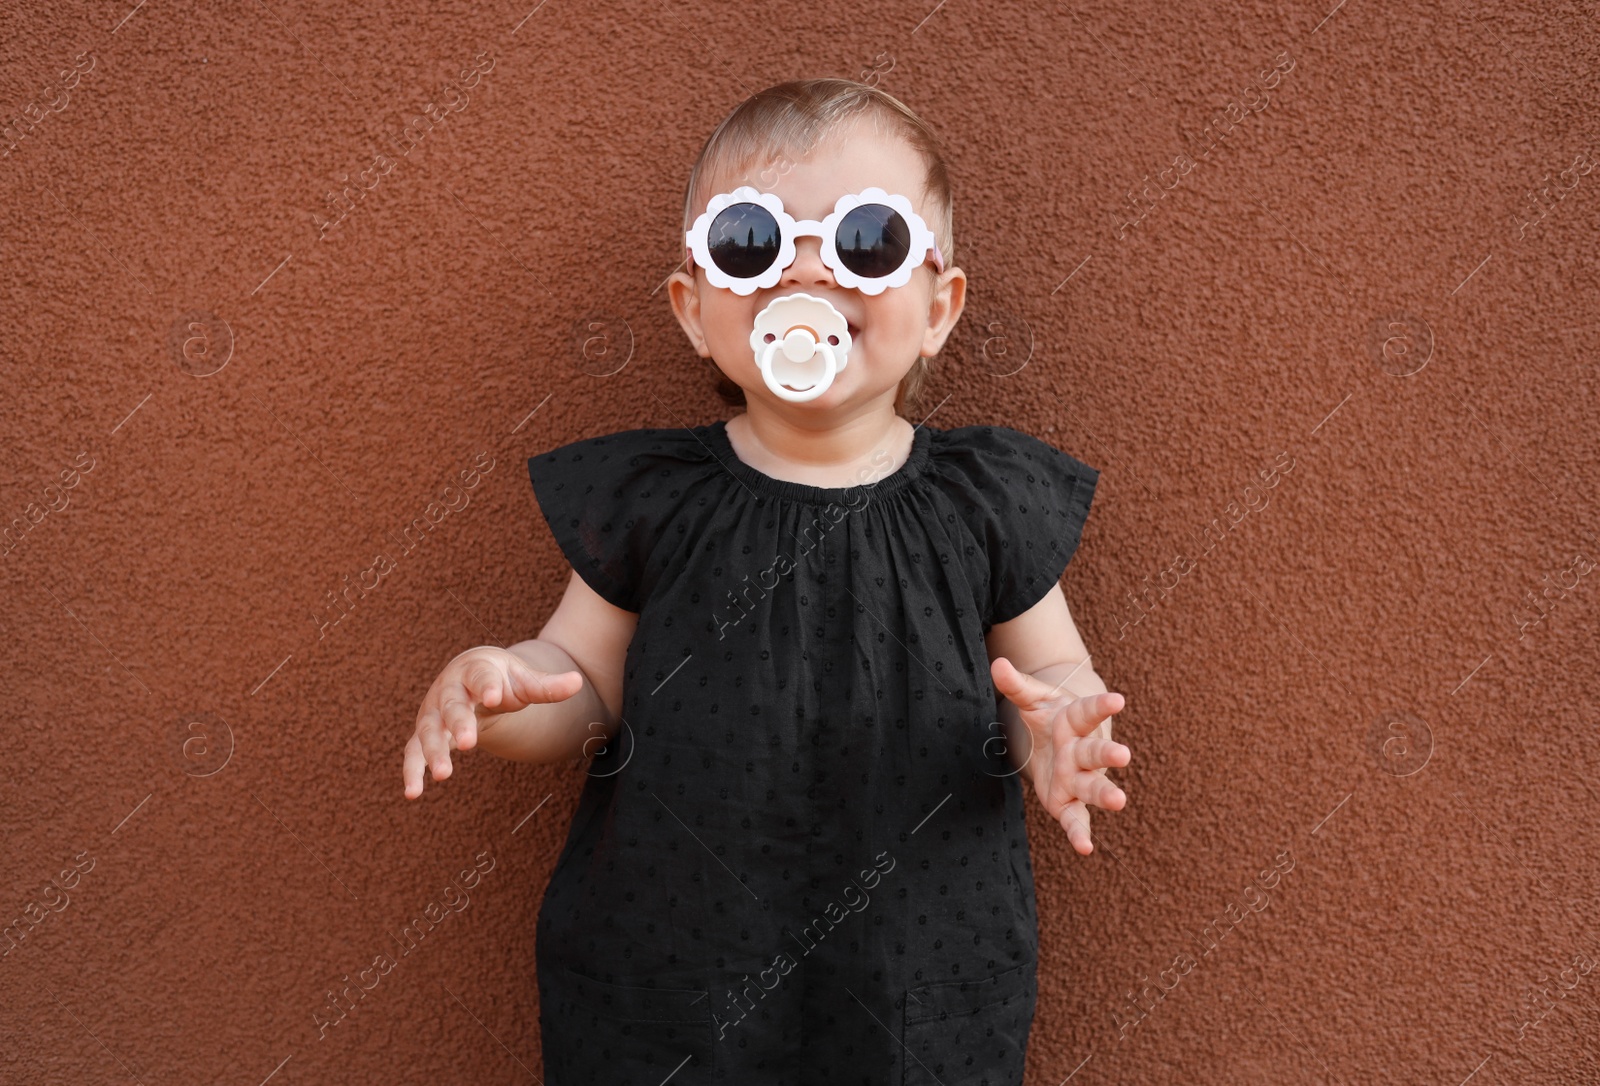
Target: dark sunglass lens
(873, 240)
(743, 240)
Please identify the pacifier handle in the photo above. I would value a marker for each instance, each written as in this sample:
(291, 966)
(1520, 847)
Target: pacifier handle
(830, 369)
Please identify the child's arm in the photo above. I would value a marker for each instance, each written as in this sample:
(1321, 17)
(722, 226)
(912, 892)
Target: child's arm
(1056, 713)
(555, 697)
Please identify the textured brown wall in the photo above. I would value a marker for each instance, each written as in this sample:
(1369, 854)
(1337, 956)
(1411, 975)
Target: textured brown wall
(1377, 293)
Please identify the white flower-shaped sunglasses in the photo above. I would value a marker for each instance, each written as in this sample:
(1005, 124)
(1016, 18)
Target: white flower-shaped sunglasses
(872, 240)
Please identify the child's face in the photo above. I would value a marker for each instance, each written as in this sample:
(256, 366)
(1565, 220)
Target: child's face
(889, 331)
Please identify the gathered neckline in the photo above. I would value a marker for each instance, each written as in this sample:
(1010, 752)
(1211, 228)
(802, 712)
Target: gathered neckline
(761, 483)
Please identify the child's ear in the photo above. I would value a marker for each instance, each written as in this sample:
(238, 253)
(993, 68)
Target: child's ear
(683, 291)
(949, 299)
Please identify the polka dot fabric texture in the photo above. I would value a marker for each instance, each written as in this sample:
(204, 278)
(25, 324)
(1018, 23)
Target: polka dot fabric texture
(803, 857)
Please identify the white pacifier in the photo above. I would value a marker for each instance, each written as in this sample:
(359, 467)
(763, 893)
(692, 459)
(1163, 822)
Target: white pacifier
(801, 343)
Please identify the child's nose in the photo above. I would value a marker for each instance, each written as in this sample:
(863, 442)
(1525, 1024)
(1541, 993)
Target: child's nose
(808, 268)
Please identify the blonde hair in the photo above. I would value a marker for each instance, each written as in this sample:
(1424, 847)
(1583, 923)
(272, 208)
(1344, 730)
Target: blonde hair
(792, 119)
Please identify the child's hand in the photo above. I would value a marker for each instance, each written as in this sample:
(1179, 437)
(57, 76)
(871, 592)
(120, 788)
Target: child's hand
(470, 694)
(1066, 762)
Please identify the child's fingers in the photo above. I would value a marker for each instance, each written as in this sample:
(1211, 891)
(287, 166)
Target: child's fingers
(1085, 714)
(534, 687)
(1087, 787)
(435, 743)
(1075, 820)
(484, 682)
(459, 714)
(1018, 687)
(411, 769)
(1097, 752)
(1062, 772)
(1099, 791)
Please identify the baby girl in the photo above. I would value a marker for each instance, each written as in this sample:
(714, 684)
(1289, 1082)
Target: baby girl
(811, 652)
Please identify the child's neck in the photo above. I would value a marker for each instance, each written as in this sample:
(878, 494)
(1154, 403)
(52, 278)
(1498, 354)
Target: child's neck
(836, 453)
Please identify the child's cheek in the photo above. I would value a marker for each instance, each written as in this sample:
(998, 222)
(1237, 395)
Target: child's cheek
(727, 331)
(894, 329)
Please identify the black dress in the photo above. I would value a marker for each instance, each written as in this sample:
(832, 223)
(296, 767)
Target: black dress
(802, 859)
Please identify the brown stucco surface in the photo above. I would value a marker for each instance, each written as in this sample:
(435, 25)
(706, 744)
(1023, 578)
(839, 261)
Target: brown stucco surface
(1369, 689)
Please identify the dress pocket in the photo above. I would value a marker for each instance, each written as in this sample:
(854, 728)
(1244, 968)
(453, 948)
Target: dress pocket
(627, 1035)
(970, 1032)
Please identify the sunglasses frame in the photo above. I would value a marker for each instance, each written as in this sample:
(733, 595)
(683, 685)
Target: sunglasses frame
(923, 243)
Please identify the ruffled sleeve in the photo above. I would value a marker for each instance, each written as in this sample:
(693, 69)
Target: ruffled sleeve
(607, 500)
(1024, 501)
